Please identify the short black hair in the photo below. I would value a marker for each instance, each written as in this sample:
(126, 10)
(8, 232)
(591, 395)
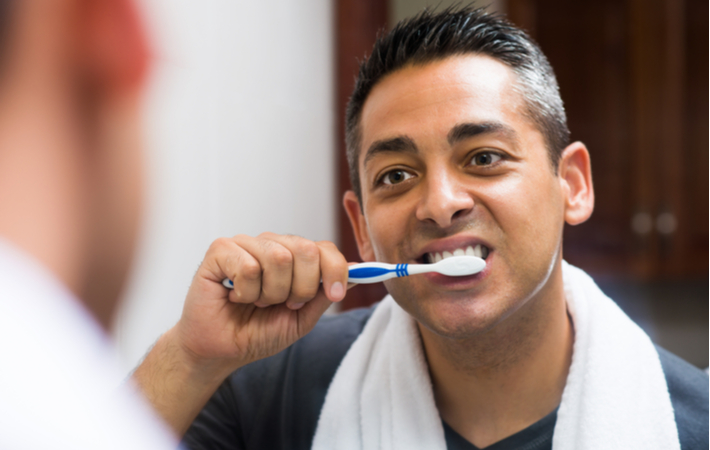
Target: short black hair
(431, 36)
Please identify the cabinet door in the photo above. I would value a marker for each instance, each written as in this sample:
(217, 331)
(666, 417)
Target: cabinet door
(634, 78)
(357, 25)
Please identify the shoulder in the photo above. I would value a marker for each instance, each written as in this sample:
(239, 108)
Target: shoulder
(276, 402)
(334, 334)
(688, 388)
(312, 360)
(59, 376)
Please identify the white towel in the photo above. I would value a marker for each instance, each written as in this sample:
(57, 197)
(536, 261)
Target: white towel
(616, 395)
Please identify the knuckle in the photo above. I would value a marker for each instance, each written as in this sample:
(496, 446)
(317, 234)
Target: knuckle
(328, 245)
(308, 250)
(218, 243)
(239, 238)
(250, 270)
(281, 257)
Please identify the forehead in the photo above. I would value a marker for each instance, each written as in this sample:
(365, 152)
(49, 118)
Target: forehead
(426, 101)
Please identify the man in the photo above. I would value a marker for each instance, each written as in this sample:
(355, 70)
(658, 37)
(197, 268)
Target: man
(70, 185)
(457, 143)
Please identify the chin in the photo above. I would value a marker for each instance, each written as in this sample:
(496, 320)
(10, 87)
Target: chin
(457, 318)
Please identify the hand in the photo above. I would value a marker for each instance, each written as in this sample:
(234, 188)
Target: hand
(277, 296)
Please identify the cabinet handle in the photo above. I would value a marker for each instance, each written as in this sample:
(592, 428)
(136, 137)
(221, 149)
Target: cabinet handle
(642, 223)
(666, 223)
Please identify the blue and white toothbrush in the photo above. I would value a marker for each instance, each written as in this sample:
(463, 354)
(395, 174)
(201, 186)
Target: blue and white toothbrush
(374, 272)
(454, 266)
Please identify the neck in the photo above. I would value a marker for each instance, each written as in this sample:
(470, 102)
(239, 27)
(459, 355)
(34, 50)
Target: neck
(41, 185)
(45, 185)
(507, 378)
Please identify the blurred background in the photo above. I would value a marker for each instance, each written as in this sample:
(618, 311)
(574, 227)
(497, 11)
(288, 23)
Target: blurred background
(244, 134)
(240, 137)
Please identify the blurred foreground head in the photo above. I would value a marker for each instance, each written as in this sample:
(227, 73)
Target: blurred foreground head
(71, 73)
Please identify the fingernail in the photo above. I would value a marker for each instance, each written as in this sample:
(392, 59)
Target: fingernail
(296, 306)
(260, 304)
(337, 291)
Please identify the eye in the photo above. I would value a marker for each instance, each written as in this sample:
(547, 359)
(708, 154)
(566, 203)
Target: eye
(485, 159)
(395, 177)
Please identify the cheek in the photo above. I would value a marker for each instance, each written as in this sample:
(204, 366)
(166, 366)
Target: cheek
(387, 228)
(382, 232)
(528, 210)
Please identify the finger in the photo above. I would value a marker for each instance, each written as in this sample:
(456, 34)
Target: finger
(306, 269)
(226, 259)
(334, 271)
(276, 263)
(246, 276)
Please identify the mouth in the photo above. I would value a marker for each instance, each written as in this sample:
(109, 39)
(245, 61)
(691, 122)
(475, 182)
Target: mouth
(478, 250)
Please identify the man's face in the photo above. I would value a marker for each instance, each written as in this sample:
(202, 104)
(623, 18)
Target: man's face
(449, 162)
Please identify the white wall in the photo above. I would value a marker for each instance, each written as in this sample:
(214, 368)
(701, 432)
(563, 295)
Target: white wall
(239, 139)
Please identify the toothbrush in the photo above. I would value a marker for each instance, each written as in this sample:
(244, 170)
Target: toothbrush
(454, 266)
(374, 272)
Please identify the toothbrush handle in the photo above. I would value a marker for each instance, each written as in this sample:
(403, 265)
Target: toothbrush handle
(416, 269)
(367, 273)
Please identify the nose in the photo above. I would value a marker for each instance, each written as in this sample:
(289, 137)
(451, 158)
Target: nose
(445, 199)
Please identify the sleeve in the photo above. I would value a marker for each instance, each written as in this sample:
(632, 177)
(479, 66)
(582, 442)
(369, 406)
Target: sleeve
(217, 426)
(688, 388)
(275, 403)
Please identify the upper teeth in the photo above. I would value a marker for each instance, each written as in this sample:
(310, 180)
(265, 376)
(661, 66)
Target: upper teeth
(479, 250)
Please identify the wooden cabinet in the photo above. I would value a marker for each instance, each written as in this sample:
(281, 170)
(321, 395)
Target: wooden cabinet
(634, 78)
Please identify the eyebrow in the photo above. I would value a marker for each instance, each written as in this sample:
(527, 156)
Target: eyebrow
(460, 132)
(468, 130)
(403, 144)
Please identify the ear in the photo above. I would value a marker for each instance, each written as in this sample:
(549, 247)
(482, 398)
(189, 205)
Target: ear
(115, 49)
(359, 224)
(575, 173)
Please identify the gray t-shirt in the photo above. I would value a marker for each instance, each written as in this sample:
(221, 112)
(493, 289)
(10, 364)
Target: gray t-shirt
(275, 403)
